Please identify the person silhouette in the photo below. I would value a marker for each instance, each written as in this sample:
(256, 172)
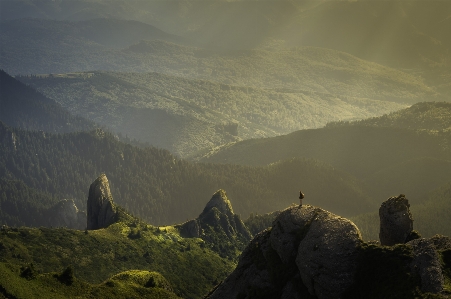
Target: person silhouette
(301, 196)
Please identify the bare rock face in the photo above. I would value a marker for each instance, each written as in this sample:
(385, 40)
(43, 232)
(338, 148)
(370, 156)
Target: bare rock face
(250, 274)
(308, 251)
(396, 223)
(327, 255)
(289, 228)
(101, 210)
(426, 262)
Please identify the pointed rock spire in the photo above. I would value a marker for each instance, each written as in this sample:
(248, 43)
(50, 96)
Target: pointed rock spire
(101, 209)
(219, 201)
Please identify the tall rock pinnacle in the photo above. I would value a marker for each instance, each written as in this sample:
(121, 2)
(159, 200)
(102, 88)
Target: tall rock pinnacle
(396, 221)
(101, 210)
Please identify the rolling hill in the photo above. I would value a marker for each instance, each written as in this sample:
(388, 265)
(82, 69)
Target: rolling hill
(22, 106)
(192, 116)
(386, 157)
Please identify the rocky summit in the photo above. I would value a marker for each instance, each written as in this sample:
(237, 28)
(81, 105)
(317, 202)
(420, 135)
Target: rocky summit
(308, 251)
(218, 226)
(396, 223)
(311, 253)
(101, 209)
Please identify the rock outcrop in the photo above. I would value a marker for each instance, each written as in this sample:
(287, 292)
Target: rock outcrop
(217, 224)
(426, 262)
(101, 209)
(308, 251)
(66, 214)
(396, 223)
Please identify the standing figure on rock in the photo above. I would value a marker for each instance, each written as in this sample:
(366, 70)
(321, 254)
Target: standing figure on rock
(301, 196)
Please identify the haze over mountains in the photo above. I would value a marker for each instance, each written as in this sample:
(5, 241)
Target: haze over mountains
(173, 101)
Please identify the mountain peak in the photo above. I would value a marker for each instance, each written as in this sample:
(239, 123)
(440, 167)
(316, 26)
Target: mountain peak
(219, 201)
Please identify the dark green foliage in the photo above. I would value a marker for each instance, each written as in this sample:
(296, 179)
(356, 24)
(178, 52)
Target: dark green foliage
(67, 277)
(97, 256)
(384, 272)
(21, 106)
(28, 272)
(257, 223)
(150, 182)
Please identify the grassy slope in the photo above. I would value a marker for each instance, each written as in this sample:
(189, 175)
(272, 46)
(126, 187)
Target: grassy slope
(188, 264)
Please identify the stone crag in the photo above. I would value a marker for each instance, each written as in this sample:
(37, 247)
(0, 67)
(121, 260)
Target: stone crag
(305, 248)
(396, 223)
(311, 253)
(101, 209)
(217, 223)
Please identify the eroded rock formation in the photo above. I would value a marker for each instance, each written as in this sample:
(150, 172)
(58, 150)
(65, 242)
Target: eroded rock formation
(307, 251)
(101, 209)
(396, 223)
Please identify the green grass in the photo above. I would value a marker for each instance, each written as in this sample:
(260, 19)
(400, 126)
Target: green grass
(97, 257)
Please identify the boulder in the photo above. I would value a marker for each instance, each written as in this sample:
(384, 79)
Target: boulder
(327, 255)
(101, 209)
(289, 228)
(396, 223)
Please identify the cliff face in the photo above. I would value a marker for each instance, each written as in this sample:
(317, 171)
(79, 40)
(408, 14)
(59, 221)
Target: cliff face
(101, 209)
(308, 251)
(311, 253)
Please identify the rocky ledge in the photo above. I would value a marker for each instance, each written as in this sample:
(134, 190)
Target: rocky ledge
(311, 253)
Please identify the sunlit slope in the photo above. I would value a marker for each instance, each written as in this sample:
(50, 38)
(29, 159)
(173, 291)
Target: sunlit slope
(248, 94)
(396, 33)
(103, 262)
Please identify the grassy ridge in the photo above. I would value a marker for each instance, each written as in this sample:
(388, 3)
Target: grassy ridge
(188, 264)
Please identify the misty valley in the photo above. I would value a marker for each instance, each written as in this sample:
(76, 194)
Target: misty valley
(222, 149)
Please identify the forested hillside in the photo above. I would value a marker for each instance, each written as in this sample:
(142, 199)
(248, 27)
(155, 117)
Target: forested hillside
(189, 116)
(430, 215)
(21, 106)
(160, 188)
(389, 159)
(396, 33)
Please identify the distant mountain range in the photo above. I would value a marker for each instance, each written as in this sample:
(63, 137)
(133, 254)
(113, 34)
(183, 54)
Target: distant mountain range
(395, 33)
(191, 117)
(389, 153)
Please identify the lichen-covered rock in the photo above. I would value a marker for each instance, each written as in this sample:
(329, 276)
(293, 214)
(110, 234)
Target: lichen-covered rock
(289, 228)
(327, 255)
(396, 222)
(426, 263)
(101, 209)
